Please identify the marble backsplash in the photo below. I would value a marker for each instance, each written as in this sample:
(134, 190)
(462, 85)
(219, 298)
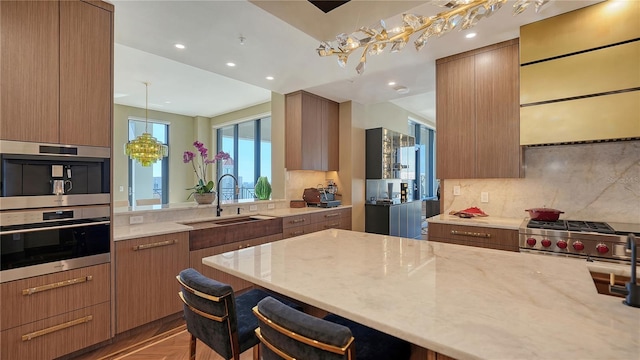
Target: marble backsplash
(598, 182)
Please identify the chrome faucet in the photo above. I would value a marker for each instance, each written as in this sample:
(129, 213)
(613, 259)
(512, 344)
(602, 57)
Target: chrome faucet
(218, 208)
(632, 289)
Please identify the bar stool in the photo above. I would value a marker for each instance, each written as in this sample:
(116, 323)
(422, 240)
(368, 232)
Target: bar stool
(222, 321)
(286, 333)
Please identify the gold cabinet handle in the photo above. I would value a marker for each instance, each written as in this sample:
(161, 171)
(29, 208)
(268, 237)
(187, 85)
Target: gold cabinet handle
(296, 221)
(155, 245)
(56, 285)
(332, 215)
(296, 233)
(469, 233)
(329, 226)
(62, 326)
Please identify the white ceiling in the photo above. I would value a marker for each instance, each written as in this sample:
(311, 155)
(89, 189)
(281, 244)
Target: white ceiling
(195, 81)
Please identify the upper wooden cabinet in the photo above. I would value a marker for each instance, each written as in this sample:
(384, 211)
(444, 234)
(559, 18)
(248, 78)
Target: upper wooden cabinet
(477, 112)
(56, 67)
(311, 132)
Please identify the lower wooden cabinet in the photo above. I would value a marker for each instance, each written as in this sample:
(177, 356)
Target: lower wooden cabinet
(146, 270)
(236, 283)
(48, 316)
(58, 335)
(485, 237)
(317, 221)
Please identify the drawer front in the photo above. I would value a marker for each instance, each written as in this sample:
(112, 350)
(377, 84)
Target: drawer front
(297, 231)
(28, 300)
(58, 335)
(492, 238)
(297, 220)
(326, 216)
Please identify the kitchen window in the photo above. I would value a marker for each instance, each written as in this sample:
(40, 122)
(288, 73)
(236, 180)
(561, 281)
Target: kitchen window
(425, 160)
(249, 144)
(149, 182)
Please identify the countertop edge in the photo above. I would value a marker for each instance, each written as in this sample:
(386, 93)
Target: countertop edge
(128, 232)
(487, 221)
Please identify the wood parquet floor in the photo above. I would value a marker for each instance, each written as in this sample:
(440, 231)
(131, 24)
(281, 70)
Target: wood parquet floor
(168, 341)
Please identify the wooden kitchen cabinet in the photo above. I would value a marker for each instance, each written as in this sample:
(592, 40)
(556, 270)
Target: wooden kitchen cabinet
(477, 102)
(311, 132)
(145, 273)
(296, 225)
(479, 236)
(48, 316)
(56, 67)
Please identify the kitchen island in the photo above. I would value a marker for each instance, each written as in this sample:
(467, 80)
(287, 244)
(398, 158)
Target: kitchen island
(463, 302)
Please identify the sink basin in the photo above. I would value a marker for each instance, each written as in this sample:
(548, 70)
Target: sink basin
(235, 220)
(214, 232)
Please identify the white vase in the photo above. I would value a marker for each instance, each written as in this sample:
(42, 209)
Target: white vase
(205, 199)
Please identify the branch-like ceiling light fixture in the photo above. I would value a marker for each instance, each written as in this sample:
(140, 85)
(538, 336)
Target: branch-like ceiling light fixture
(145, 148)
(463, 14)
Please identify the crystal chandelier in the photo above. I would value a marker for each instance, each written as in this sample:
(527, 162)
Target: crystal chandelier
(145, 148)
(463, 14)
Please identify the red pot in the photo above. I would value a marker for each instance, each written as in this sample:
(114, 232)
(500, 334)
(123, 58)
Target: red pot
(544, 214)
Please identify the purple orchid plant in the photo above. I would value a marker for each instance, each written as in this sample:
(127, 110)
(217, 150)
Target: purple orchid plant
(200, 164)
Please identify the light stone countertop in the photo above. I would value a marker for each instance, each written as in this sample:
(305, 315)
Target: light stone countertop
(486, 221)
(464, 302)
(127, 232)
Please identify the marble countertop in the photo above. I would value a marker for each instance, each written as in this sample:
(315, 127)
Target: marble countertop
(464, 302)
(168, 227)
(486, 221)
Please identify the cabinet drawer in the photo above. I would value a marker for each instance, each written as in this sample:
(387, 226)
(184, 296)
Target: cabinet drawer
(329, 215)
(297, 231)
(58, 335)
(297, 220)
(28, 300)
(485, 237)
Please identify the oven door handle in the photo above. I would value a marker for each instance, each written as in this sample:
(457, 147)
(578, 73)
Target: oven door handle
(21, 231)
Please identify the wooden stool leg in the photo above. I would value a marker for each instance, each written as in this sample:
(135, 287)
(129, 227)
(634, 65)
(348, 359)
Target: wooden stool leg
(256, 352)
(192, 348)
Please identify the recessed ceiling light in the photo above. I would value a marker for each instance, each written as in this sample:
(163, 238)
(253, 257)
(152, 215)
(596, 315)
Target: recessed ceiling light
(230, 64)
(401, 89)
(167, 102)
(391, 83)
(179, 46)
(470, 35)
(269, 78)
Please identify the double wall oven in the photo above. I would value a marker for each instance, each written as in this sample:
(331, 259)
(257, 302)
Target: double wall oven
(55, 212)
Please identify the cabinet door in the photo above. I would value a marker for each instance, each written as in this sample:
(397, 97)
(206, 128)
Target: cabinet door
(330, 136)
(86, 91)
(312, 134)
(498, 113)
(456, 118)
(146, 286)
(29, 66)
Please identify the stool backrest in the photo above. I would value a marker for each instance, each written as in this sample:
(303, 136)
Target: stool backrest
(209, 311)
(286, 333)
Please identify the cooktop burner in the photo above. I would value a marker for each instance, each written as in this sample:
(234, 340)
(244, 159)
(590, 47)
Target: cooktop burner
(572, 225)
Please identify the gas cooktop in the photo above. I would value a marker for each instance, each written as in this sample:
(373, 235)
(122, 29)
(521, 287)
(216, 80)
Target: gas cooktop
(577, 238)
(572, 225)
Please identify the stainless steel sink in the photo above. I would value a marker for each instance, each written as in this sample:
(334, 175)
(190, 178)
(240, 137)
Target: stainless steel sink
(235, 220)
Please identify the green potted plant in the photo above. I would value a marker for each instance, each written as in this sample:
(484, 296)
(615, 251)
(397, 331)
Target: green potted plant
(263, 188)
(204, 191)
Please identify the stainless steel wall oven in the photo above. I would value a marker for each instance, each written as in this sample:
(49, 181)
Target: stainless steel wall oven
(54, 208)
(36, 175)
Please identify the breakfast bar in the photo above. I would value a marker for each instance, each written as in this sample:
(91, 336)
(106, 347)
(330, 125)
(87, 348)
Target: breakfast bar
(463, 302)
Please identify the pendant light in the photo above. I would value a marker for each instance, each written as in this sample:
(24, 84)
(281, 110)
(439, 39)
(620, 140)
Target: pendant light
(145, 148)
